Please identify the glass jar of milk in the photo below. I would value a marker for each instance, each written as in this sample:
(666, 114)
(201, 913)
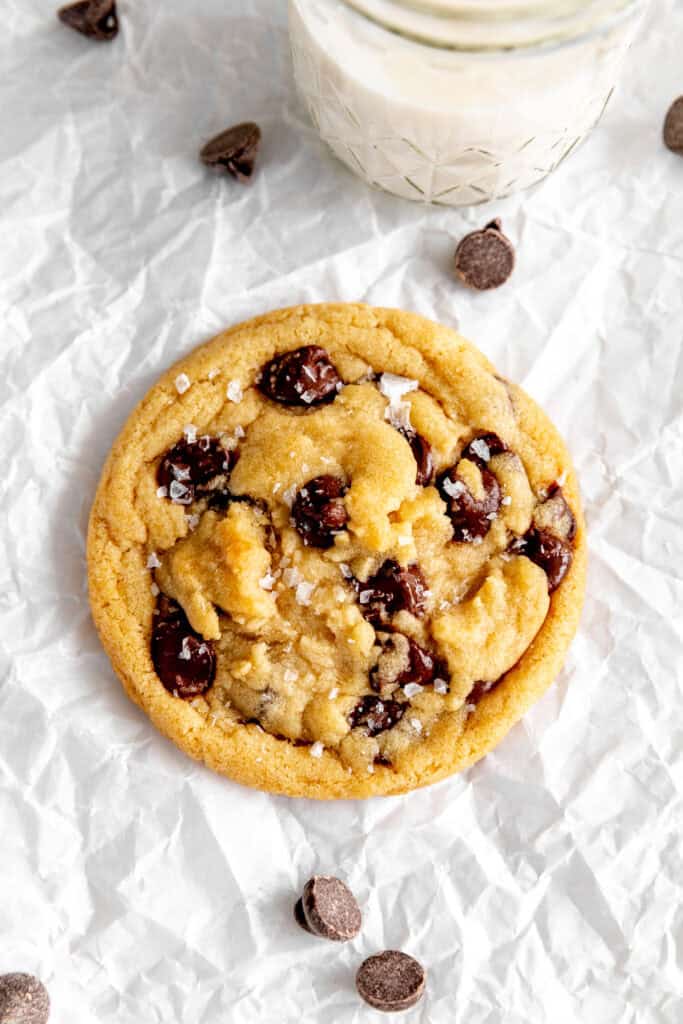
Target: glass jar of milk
(458, 102)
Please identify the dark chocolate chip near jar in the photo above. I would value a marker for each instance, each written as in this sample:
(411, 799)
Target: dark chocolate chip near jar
(305, 377)
(376, 715)
(233, 150)
(485, 259)
(318, 511)
(184, 662)
(392, 589)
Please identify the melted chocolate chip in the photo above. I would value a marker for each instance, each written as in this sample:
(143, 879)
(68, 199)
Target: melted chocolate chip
(392, 589)
(303, 377)
(391, 981)
(471, 517)
(189, 466)
(485, 259)
(184, 662)
(376, 715)
(233, 150)
(422, 452)
(482, 448)
(551, 553)
(318, 511)
(480, 688)
(401, 661)
(555, 515)
(96, 19)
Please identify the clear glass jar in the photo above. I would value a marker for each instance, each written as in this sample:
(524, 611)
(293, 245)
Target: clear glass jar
(458, 102)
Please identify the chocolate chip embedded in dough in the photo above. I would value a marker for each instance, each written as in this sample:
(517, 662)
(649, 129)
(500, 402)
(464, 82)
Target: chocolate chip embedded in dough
(318, 511)
(233, 150)
(23, 1000)
(330, 909)
(485, 259)
(392, 589)
(304, 377)
(96, 19)
(184, 662)
(471, 517)
(391, 981)
(673, 127)
(551, 553)
(376, 714)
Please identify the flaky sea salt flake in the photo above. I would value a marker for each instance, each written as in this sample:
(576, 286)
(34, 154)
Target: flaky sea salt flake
(153, 560)
(316, 749)
(234, 391)
(303, 592)
(412, 689)
(182, 383)
(190, 432)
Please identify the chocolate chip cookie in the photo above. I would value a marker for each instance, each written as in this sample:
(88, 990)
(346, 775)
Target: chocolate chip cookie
(334, 554)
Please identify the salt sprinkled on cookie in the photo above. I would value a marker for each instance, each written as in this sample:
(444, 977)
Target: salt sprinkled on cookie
(182, 383)
(234, 391)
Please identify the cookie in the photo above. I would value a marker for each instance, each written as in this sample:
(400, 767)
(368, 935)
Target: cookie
(334, 554)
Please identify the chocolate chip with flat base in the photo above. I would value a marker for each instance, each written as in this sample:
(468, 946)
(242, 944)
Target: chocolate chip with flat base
(485, 259)
(96, 19)
(391, 981)
(673, 127)
(184, 662)
(233, 150)
(318, 511)
(23, 1000)
(304, 377)
(330, 909)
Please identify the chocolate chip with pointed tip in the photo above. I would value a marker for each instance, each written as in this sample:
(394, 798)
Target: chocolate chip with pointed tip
(376, 714)
(485, 259)
(233, 150)
(392, 589)
(318, 511)
(96, 19)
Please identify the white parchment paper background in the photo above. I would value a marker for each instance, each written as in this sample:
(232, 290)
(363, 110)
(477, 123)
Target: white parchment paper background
(544, 885)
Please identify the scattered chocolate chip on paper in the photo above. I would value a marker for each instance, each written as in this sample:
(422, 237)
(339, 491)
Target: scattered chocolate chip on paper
(329, 909)
(96, 19)
(300, 917)
(391, 981)
(23, 1000)
(485, 259)
(233, 150)
(673, 127)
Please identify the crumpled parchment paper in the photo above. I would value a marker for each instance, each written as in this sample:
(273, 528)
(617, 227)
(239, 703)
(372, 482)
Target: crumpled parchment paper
(543, 885)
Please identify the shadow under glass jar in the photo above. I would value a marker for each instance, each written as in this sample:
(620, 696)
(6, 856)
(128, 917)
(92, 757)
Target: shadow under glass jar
(458, 102)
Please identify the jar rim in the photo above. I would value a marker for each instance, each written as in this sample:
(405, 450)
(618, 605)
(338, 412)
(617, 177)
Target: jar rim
(500, 25)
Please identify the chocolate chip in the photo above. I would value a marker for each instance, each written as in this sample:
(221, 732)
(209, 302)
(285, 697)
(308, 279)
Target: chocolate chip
(391, 981)
(23, 1000)
(300, 917)
(401, 661)
(233, 150)
(330, 909)
(480, 688)
(471, 517)
(485, 259)
(96, 19)
(393, 588)
(555, 515)
(482, 448)
(318, 511)
(302, 377)
(422, 452)
(184, 662)
(189, 466)
(551, 553)
(673, 127)
(376, 715)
